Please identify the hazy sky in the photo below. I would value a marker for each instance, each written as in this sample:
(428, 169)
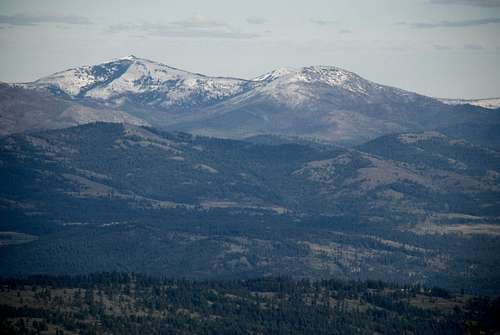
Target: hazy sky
(444, 48)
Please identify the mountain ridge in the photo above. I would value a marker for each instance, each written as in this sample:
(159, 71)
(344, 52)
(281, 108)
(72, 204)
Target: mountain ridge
(490, 103)
(25, 110)
(127, 74)
(321, 101)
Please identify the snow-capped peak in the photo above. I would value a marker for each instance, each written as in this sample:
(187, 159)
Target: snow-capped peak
(332, 76)
(308, 73)
(130, 57)
(275, 74)
(130, 78)
(141, 83)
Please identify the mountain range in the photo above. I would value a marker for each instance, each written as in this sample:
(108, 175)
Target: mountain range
(316, 102)
(136, 166)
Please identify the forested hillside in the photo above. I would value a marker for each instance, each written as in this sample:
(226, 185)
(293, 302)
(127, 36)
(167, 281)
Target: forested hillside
(412, 207)
(114, 303)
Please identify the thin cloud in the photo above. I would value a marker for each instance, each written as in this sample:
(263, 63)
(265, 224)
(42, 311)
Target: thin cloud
(345, 31)
(256, 20)
(472, 46)
(195, 27)
(395, 48)
(481, 3)
(441, 47)
(451, 24)
(322, 22)
(32, 20)
(199, 22)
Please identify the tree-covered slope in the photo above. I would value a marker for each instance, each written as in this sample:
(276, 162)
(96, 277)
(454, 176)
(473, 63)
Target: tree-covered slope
(130, 304)
(410, 207)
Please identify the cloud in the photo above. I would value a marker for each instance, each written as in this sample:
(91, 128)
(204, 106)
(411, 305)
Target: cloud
(256, 20)
(321, 22)
(345, 31)
(451, 24)
(441, 47)
(395, 47)
(32, 20)
(194, 27)
(481, 3)
(472, 46)
(199, 21)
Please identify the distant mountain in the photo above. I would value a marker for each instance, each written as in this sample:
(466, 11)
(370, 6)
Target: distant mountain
(491, 103)
(318, 102)
(411, 207)
(132, 83)
(328, 103)
(26, 110)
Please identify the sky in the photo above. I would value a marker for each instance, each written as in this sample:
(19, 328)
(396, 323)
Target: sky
(440, 48)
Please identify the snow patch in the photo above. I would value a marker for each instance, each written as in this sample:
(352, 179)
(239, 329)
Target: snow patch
(491, 103)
